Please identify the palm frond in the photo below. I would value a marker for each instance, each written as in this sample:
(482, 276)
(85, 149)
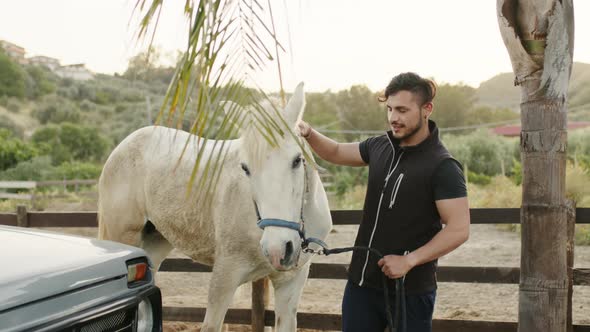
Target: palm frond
(228, 42)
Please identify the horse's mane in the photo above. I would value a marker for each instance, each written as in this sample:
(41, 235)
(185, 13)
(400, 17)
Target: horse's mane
(255, 145)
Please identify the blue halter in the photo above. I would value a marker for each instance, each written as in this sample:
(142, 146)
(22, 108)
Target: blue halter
(296, 226)
(263, 223)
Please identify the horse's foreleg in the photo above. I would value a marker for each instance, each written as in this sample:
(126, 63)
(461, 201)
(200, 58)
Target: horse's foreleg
(225, 279)
(287, 294)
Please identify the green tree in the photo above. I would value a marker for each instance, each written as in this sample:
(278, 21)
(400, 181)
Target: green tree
(8, 124)
(12, 77)
(485, 114)
(452, 105)
(78, 170)
(359, 109)
(36, 169)
(483, 152)
(69, 142)
(14, 150)
(145, 66)
(40, 81)
(56, 109)
(322, 111)
(48, 141)
(85, 143)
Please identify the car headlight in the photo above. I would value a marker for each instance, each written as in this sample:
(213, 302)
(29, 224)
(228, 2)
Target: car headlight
(145, 316)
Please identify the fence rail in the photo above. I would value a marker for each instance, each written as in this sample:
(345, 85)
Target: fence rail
(29, 185)
(462, 274)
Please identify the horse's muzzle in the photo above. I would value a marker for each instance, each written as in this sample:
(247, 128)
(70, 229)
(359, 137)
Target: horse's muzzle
(282, 258)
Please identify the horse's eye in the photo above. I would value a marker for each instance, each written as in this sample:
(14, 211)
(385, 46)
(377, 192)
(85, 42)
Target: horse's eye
(297, 162)
(245, 168)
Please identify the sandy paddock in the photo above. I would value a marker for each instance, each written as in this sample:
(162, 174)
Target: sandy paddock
(487, 246)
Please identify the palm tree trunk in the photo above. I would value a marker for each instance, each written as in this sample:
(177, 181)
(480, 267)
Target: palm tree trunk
(539, 37)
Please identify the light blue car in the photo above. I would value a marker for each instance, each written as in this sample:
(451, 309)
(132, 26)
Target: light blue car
(56, 282)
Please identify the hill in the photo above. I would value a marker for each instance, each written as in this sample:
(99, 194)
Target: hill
(500, 92)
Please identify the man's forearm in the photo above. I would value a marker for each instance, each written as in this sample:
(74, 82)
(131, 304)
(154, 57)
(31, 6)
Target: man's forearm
(326, 148)
(448, 239)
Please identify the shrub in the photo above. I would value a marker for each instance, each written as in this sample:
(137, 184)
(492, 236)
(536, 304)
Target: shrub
(353, 199)
(577, 184)
(500, 192)
(69, 142)
(480, 179)
(13, 105)
(36, 169)
(13, 150)
(14, 129)
(56, 109)
(78, 170)
(12, 77)
(578, 149)
(483, 152)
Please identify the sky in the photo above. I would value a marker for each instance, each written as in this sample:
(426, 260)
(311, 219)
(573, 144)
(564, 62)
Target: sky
(333, 43)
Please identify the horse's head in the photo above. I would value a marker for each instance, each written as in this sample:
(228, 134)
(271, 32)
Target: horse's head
(279, 178)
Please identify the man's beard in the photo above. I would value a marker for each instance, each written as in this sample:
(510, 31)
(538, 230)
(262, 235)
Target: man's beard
(411, 133)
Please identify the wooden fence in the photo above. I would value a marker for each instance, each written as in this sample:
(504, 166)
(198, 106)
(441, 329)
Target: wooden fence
(260, 317)
(30, 185)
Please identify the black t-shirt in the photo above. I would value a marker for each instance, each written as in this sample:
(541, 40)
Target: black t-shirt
(399, 211)
(448, 180)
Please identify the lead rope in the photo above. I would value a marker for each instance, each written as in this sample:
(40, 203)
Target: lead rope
(400, 298)
(397, 325)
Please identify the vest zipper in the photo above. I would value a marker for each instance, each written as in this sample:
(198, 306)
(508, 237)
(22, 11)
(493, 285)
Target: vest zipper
(379, 209)
(396, 186)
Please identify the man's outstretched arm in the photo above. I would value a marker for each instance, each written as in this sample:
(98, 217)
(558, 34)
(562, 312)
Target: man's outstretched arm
(347, 154)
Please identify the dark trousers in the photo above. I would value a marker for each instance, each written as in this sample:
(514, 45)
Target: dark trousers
(363, 310)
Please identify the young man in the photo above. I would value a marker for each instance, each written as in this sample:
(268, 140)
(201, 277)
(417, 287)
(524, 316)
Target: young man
(414, 187)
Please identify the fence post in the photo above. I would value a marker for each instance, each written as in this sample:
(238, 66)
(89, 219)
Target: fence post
(22, 219)
(571, 229)
(259, 303)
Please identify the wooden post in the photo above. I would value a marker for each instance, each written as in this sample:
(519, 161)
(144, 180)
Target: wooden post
(22, 219)
(571, 230)
(259, 303)
(539, 37)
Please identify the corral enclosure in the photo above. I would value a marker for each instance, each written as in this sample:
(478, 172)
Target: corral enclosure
(478, 286)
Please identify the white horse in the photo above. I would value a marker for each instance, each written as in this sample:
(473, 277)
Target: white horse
(143, 202)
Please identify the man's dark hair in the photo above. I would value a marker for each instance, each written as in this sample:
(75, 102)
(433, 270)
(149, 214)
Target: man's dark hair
(423, 87)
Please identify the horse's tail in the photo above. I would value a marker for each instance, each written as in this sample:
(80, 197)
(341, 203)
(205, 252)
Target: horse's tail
(102, 232)
(102, 227)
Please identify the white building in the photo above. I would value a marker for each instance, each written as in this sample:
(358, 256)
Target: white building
(41, 60)
(14, 51)
(77, 72)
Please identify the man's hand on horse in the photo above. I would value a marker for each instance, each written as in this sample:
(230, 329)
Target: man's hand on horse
(304, 129)
(395, 266)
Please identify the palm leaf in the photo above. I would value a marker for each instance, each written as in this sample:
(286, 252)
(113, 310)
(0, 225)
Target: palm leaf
(228, 42)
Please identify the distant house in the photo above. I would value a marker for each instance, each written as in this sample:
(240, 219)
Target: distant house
(77, 72)
(514, 130)
(14, 51)
(46, 61)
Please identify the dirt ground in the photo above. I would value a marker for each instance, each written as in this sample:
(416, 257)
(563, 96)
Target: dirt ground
(487, 246)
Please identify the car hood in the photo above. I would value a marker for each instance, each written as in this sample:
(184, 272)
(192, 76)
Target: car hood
(38, 264)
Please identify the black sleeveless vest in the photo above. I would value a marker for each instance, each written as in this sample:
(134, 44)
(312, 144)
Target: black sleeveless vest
(399, 212)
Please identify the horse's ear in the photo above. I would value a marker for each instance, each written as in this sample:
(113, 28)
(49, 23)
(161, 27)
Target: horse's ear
(296, 105)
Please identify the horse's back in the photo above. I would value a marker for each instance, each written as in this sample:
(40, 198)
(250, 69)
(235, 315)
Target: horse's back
(144, 179)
